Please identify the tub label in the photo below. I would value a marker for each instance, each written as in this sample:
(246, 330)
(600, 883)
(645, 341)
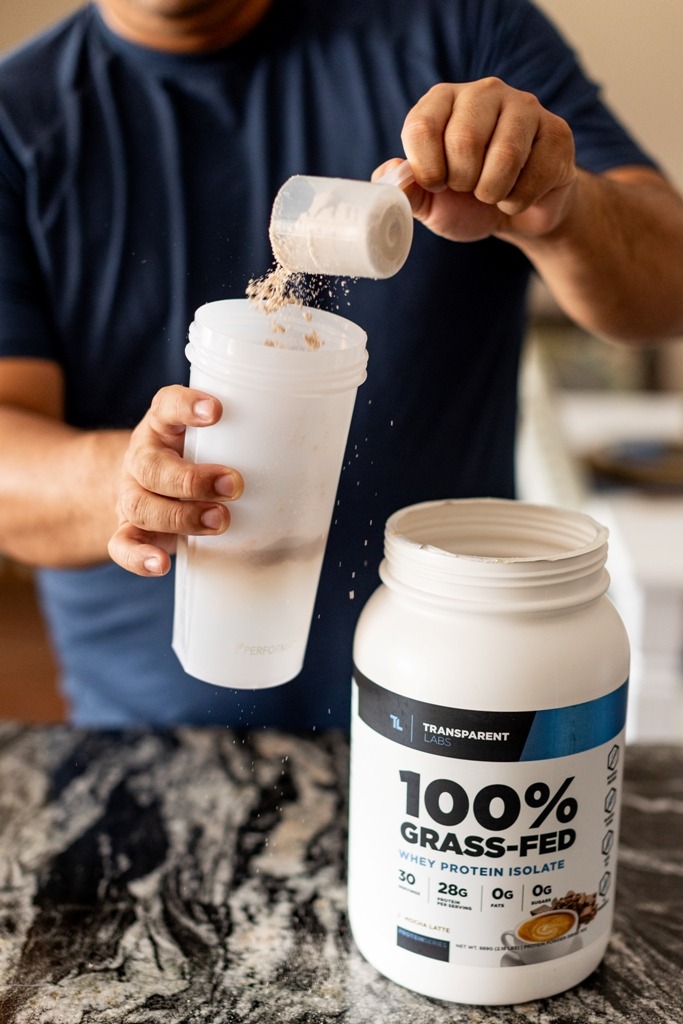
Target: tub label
(480, 838)
(491, 735)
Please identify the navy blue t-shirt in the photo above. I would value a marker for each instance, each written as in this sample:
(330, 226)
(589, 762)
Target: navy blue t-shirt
(136, 185)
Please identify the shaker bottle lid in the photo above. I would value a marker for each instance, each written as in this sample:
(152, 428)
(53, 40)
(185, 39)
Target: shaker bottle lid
(343, 227)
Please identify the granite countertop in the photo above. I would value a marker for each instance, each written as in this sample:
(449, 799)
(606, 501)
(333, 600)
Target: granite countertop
(199, 876)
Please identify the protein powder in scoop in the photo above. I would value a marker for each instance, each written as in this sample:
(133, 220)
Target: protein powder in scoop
(341, 227)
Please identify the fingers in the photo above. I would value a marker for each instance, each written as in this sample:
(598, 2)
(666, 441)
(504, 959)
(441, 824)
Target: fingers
(507, 149)
(154, 461)
(147, 552)
(141, 553)
(163, 471)
(174, 408)
(155, 513)
(162, 494)
(550, 167)
(423, 136)
(475, 137)
(490, 141)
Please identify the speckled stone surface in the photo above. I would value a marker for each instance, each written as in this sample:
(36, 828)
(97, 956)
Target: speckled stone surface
(199, 876)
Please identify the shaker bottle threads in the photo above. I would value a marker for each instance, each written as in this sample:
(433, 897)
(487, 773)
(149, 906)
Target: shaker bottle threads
(487, 747)
(341, 227)
(244, 600)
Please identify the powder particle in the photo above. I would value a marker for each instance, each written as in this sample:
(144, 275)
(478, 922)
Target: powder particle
(313, 340)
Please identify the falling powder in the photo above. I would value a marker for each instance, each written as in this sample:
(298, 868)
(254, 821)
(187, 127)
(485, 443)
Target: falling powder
(275, 290)
(281, 287)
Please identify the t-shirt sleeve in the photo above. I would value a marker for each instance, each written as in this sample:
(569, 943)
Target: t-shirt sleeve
(518, 44)
(25, 324)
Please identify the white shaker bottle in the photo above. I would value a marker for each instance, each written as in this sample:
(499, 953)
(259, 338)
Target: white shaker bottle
(287, 381)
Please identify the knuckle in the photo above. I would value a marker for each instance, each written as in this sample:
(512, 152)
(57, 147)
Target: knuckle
(465, 147)
(561, 136)
(135, 506)
(166, 399)
(153, 513)
(170, 411)
(421, 128)
(147, 466)
(164, 472)
(177, 518)
(420, 137)
(528, 101)
(559, 126)
(509, 154)
(491, 83)
(441, 92)
(189, 481)
(501, 176)
(465, 141)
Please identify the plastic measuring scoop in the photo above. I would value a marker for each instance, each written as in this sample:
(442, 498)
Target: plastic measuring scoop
(343, 227)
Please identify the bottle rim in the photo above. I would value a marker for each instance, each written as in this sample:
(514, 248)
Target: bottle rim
(493, 550)
(297, 348)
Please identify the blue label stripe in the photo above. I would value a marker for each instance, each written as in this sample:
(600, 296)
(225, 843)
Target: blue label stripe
(561, 731)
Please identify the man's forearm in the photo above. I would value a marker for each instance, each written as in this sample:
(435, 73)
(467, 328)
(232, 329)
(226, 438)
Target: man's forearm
(58, 490)
(616, 265)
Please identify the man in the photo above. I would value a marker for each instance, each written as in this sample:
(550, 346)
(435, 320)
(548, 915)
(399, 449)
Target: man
(141, 145)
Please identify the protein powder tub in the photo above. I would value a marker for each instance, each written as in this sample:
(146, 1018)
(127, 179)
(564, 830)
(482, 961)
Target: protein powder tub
(490, 679)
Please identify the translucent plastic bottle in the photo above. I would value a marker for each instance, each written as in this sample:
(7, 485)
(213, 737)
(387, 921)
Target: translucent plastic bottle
(287, 382)
(343, 227)
(486, 752)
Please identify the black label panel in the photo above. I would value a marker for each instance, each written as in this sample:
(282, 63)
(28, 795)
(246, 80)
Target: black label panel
(490, 735)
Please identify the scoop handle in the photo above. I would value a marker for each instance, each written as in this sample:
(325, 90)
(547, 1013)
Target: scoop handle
(401, 174)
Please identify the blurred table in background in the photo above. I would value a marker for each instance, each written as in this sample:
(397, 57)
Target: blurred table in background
(564, 435)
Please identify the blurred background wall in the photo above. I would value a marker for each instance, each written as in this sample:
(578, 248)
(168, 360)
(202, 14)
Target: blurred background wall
(633, 48)
(21, 19)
